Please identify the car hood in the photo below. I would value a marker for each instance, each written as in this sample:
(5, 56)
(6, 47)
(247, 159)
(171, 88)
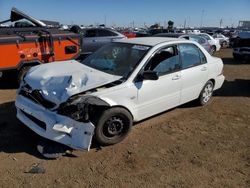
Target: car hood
(58, 81)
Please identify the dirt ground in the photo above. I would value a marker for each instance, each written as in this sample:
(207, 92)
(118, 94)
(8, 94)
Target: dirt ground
(188, 146)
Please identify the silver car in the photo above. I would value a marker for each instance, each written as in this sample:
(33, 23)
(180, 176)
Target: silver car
(94, 38)
(201, 40)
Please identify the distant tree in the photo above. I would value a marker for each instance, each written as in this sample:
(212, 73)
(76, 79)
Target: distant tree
(170, 25)
(155, 26)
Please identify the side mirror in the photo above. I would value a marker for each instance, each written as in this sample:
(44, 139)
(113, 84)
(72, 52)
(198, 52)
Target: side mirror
(150, 75)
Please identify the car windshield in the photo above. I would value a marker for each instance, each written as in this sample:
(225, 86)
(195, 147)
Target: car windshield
(117, 58)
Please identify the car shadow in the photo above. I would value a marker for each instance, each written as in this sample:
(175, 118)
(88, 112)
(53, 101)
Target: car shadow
(235, 88)
(17, 138)
(232, 61)
(9, 81)
(14, 136)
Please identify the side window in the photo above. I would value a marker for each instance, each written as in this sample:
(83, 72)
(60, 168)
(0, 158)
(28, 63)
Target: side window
(190, 55)
(70, 49)
(201, 40)
(202, 57)
(91, 33)
(206, 37)
(165, 61)
(220, 36)
(105, 33)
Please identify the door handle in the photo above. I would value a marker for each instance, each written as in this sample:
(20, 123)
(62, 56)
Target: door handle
(203, 68)
(94, 40)
(176, 77)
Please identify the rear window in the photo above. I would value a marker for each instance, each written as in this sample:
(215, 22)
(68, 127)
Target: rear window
(91, 33)
(106, 33)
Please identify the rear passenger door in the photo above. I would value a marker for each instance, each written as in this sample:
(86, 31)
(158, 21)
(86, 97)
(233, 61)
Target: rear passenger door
(194, 71)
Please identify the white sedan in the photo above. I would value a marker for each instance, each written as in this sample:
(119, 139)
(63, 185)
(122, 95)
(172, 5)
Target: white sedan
(121, 83)
(224, 41)
(215, 43)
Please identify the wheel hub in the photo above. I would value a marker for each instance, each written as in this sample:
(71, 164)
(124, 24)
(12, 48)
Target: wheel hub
(207, 93)
(114, 126)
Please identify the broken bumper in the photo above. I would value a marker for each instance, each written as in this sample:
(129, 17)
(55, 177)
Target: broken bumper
(50, 125)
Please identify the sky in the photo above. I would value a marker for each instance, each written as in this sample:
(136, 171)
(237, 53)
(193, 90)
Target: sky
(131, 12)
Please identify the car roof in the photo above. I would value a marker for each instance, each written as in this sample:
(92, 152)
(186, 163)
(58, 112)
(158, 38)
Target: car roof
(149, 41)
(98, 28)
(174, 35)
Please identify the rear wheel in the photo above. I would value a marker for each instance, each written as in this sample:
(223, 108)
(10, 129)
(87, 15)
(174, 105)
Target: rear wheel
(113, 126)
(206, 93)
(52, 150)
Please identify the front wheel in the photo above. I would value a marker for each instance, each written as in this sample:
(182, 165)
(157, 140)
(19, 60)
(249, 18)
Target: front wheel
(206, 93)
(113, 126)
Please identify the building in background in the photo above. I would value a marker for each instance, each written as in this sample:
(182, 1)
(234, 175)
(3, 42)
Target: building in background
(244, 25)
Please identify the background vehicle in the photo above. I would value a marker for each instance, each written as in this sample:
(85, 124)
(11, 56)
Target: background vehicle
(22, 48)
(157, 31)
(129, 34)
(201, 40)
(112, 88)
(241, 46)
(215, 44)
(94, 38)
(224, 41)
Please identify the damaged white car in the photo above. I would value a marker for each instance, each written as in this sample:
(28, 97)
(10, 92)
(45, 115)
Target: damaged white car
(121, 83)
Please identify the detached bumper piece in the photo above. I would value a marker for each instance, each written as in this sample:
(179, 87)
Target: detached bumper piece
(55, 127)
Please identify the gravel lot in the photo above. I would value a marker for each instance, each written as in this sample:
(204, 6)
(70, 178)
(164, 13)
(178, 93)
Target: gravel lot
(188, 146)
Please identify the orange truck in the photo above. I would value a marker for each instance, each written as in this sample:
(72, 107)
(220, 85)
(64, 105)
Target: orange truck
(21, 48)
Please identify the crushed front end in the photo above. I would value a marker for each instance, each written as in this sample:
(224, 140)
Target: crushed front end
(72, 128)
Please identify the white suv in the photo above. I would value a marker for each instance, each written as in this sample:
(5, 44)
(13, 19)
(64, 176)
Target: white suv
(121, 83)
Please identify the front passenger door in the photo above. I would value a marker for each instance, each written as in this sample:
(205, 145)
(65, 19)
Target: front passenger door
(155, 96)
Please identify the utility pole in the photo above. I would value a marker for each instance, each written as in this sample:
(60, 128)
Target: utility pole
(221, 21)
(105, 20)
(202, 15)
(185, 22)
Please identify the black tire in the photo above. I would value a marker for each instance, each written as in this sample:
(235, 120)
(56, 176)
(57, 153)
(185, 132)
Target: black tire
(113, 126)
(213, 50)
(50, 149)
(206, 93)
(21, 74)
(224, 44)
(76, 29)
(237, 56)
